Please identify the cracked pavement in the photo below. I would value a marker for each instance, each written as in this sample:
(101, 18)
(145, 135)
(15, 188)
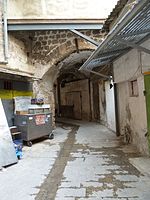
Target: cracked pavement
(99, 168)
(84, 161)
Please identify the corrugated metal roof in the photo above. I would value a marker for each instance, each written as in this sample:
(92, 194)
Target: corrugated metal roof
(133, 28)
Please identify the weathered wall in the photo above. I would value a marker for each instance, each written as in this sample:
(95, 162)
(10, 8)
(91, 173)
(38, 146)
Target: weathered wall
(106, 107)
(45, 88)
(51, 47)
(82, 87)
(132, 109)
(18, 62)
(110, 106)
(102, 102)
(127, 67)
(95, 106)
(1, 34)
(48, 49)
(145, 58)
(60, 9)
(123, 12)
(18, 59)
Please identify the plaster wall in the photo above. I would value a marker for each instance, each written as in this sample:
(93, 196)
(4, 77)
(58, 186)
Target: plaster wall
(1, 35)
(110, 106)
(59, 9)
(132, 109)
(80, 86)
(127, 67)
(128, 7)
(132, 64)
(18, 59)
(145, 58)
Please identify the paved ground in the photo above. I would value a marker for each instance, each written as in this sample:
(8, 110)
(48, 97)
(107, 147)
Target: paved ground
(85, 161)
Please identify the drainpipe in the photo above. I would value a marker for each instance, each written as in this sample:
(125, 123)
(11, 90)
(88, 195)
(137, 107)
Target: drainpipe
(5, 35)
(116, 111)
(89, 83)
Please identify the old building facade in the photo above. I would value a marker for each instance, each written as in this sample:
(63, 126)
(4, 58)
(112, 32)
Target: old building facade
(46, 59)
(126, 47)
(44, 62)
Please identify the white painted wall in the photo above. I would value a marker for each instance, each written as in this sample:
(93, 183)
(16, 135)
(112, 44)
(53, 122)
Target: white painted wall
(132, 110)
(110, 106)
(127, 67)
(132, 64)
(145, 58)
(60, 9)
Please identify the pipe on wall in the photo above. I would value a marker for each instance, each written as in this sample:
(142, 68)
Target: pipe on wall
(5, 34)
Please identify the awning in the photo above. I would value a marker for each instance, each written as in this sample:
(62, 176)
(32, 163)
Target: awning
(54, 24)
(132, 30)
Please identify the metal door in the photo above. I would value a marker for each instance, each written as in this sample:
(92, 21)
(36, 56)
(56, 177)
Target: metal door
(75, 99)
(147, 96)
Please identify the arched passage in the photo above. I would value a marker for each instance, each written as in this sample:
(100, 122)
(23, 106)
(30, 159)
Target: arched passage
(72, 96)
(65, 72)
(47, 59)
(53, 54)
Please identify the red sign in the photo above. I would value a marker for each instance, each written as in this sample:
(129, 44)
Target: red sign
(40, 119)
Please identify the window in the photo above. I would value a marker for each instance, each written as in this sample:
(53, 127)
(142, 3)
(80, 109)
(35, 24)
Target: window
(7, 85)
(133, 88)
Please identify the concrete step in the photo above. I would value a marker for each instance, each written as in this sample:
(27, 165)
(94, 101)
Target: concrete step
(16, 133)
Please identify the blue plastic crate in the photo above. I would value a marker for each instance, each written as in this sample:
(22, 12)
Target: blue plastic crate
(18, 144)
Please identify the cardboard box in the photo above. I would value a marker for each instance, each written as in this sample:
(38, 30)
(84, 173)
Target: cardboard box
(21, 112)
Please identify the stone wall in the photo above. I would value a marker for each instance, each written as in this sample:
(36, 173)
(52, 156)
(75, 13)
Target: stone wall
(47, 50)
(51, 47)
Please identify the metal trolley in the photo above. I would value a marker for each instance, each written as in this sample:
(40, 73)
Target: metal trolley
(36, 124)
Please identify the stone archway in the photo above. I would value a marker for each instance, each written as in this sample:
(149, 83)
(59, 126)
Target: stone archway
(44, 87)
(57, 55)
(49, 50)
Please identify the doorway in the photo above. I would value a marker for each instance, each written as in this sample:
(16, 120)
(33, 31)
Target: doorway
(147, 96)
(75, 99)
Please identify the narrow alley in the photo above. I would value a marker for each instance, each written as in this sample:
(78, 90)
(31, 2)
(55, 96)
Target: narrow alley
(75, 100)
(84, 161)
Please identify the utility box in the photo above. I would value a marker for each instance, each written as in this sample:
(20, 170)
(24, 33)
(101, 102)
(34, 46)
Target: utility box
(36, 124)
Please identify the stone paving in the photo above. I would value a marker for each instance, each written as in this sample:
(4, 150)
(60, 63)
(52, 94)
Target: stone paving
(22, 181)
(98, 168)
(84, 161)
